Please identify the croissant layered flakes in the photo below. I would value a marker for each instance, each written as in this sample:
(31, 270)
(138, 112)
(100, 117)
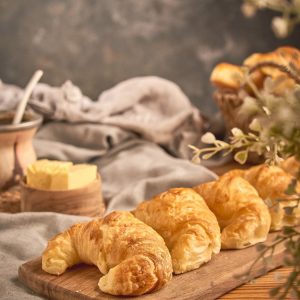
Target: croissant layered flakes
(242, 215)
(189, 228)
(231, 76)
(271, 183)
(132, 256)
(291, 166)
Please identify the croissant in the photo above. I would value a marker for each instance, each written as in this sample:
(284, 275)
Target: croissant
(226, 75)
(271, 183)
(291, 166)
(242, 215)
(230, 76)
(189, 228)
(284, 56)
(133, 257)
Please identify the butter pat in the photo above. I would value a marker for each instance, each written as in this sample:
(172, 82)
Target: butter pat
(57, 175)
(76, 177)
(39, 174)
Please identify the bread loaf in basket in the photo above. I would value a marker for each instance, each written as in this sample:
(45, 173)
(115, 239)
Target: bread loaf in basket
(235, 83)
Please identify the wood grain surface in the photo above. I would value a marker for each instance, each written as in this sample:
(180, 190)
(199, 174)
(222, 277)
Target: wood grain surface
(260, 287)
(208, 282)
(85, 201)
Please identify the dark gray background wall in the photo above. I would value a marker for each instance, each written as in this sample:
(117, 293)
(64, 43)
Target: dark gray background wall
(97, 43)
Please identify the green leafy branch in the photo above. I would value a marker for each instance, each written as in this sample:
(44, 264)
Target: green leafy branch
(282, 25)
(241, 143)
(274, 133)
(289, 238)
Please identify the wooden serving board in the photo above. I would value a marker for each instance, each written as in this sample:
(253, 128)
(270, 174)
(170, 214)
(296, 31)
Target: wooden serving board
(208, 282)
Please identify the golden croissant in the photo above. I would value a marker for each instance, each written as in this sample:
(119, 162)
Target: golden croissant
(291, 166)
(242, 215)
(228, 76)
(133, 257)
(271, 183)
(189, 228)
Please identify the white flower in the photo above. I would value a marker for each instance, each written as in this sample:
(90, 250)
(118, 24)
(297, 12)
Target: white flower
(280, 27)
(248, 10)
(261, 3)
(208, 138)
(266, 110)
(236, 132)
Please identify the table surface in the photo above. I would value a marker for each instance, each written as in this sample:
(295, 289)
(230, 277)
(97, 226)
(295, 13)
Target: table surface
(260, 287)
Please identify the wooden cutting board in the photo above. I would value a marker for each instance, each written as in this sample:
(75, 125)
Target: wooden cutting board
(208, 282)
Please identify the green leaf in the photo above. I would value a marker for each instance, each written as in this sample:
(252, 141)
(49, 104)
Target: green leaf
(289, 245)
(208, 155)
(274, 291)
(268, 260)
(269, 202)
(255, 125)
(287, 230)
(288, 262)
(221, 144)
(196, 159)
(193, 147)
(291, 189)
(295, 293)
(261, 247)
(293, 275)
(244, 276)
(277, 237)
(241, 156)
(288, 210)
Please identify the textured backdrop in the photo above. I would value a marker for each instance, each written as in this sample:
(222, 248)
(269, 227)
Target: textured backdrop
(97, 43)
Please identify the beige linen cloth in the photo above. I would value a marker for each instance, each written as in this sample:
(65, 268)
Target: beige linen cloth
(136, 132)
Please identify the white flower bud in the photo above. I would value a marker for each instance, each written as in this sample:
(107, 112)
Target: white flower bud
(208, 138)
(248, 10)
(236, 132)
(261, 3)
(280, 27)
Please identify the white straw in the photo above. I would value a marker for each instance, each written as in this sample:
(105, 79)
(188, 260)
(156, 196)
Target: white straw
(28, 90)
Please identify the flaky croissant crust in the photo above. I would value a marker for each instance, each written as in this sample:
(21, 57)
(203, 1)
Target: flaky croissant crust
(271, 183)
(226, 75)
(133, 257)
(241, 213)
(188, 227)
(291, 166)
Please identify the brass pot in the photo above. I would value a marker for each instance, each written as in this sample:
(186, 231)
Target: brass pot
(16, 149)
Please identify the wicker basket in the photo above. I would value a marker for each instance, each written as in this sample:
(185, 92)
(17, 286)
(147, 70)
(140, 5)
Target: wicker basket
(229, 102)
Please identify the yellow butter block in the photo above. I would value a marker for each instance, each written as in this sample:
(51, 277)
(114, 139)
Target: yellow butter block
(77, 176)
(39, 174)
(57, 175)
